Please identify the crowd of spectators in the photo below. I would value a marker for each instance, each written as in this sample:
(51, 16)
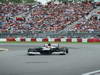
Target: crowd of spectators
(9, 10)
(90, 25)
(55, 17)
(9, 17)
(51, 17)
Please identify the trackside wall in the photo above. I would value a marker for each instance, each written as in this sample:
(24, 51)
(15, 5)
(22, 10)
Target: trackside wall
(71, 40)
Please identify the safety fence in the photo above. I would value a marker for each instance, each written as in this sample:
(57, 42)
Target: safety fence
(71, 34)
(71, 40)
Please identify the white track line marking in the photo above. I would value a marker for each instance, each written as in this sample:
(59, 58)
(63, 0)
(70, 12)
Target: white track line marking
(93, 73)
(3, 49)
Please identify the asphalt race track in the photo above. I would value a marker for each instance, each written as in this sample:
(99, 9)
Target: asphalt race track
(82, 58)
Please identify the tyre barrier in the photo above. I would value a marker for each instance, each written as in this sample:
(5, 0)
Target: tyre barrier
(70, 40)
(45, 40)
(10, 39)
(93, 40)
(57, 40)
(33, 39)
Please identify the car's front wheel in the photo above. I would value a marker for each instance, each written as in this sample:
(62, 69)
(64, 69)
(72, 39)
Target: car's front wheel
(67, 50)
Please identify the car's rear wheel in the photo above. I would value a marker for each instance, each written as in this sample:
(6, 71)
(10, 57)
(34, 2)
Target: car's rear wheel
(67, 50)
(64, 51)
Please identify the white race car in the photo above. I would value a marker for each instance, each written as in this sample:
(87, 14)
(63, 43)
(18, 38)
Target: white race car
(48, 49)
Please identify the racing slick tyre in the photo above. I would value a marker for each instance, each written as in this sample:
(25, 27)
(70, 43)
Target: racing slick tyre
(30, 50)
(67, 50)
(64, 51)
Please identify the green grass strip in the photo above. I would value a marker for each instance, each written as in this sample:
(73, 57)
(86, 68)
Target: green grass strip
(49, 42)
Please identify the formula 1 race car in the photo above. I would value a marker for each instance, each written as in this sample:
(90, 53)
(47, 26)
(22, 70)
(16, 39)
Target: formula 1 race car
(48, 49)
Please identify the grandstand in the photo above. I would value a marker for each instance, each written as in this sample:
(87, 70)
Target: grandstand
(73, 18)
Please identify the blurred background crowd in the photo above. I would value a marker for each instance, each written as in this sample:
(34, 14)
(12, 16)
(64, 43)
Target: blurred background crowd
(54, 16)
